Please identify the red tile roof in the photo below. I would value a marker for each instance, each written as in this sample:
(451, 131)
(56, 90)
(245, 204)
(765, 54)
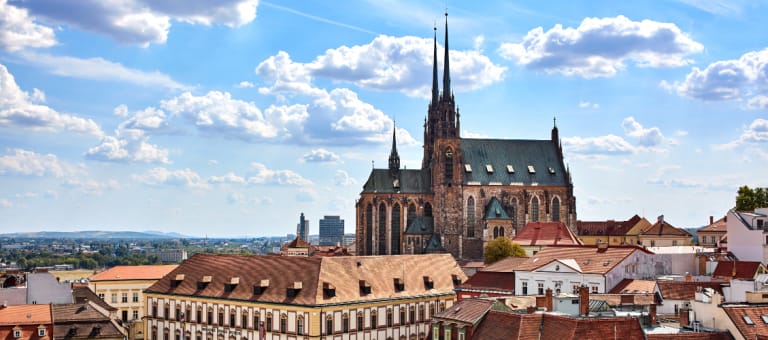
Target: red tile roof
(505, 265)
(631, 286)
(503, 326)
(742, 270)
(720, 225)
(591, 259)
(606, 228)
(684, 290)
(755, 314)
(25, 315)
(345, 274)
(487, 280)
(468, 311)
(546, 233)
(663, 228)
(146, 272)
(565, 327)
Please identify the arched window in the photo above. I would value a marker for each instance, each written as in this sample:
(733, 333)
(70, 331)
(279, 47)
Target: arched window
(369, 229)
(513, 213)
(535, 209)
(448, 165)
(411, 211)
(382, 229)
(556, 209)
(283, 323)
(427, 210)
(300, 324)
(345, 323)
(374, 320)
(329, 325)
(471, 217)
(495, 232)
(395, 232)
(501, 231)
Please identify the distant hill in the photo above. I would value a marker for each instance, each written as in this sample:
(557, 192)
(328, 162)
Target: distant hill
(96, 234)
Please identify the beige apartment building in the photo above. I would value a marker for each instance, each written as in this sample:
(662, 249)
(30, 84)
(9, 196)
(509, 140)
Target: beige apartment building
(122, 287)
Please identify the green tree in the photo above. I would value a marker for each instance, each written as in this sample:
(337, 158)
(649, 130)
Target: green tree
(500, 248)
(748, 199)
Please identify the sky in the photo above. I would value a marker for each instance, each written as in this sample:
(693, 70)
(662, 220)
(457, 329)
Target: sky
(229, 118)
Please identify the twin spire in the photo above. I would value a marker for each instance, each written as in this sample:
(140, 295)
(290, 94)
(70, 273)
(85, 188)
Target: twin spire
(446, 68)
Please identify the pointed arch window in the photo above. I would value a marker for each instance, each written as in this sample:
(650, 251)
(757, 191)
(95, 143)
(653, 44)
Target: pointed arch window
(395, 232)
(556, 209)
(382, 229)
(513, 213)
(535, 209)
(448, 165)
(427, 210)
(471, 217)
(369, 229)
(501, 231)
(411, 211)
(495, 232)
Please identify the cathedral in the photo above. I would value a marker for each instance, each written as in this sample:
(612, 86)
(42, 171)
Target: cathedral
(467, 192)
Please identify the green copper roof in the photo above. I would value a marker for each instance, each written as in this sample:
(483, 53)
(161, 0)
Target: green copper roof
(489, 160)
(495, 211)
(409, 181)
(420, 225)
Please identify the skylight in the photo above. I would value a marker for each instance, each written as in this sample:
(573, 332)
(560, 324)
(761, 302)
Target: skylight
(765, 318)
(467, 168)
(748, 320)
(489, 168)
(510, 169)
(551, 170)
(531, 170)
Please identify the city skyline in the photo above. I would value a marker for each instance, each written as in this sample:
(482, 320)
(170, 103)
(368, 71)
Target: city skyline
(231, 119)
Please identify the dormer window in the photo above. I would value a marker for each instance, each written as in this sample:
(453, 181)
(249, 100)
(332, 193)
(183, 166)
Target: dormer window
(17, 333)
(204, 282)
(261, 287)
(329, 290)
(531, 170)
(428, 283)
(456, 279)
(489, 168)
(294, 289)
(365, 287)
(230, 286)
(176, 281)
(551, 170)
(467, 167)
(510, 169)
(399, 284)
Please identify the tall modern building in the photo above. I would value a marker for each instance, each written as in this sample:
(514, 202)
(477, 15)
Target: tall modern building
(467, 191)
(302, 229)
(331, 231)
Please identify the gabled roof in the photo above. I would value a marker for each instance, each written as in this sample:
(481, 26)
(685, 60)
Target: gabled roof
(81, 294)
(408, 181)
(26, 315)
(542, 155)
(686, 290)
(720, 225)
(278, 274)
(496, 211)
(44, 288)
(485, 280)
(633, 286)
(420, 225)
(663, 228)
(565, 327)
(88, 311)
(434, 245)
(756, 315)
(144, 272)
(606, 228)
(738, 269)
(505, 265)
(297, 243)
(468, 311)
(512, 326)
(591, 259)
(546, 233)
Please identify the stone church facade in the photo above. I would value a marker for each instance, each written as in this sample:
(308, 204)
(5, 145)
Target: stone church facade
(467, 192)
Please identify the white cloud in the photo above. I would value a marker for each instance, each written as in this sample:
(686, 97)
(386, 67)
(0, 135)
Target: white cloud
(116, 149)
(342, 178)
(4, 203)
(141, 22)
(230, 177)
(29, 163)
(263, 175)
(121, 110)
(19, 31)
(91, 186)
(320, 156)
(755, 133)
(588, 105)
(718, 7)
(603, 145)
(244, 85)
(600, 47)
(17, 110)
(100, 69)
(740, 79)
(647, 137)
(180, 178)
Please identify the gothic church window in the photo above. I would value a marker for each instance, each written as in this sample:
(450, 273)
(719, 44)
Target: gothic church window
(411, 211)
(471, 217)
(369, 229)
(395, 232)
(513, 213)
(556, 209)
(448, 165)
(535, 209)
(427, 210)
(382, 229)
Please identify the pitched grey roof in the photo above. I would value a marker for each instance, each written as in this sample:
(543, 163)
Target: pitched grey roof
(496, 211)
(420, 225)
(410, 181)
(542, 155)
(42, 288)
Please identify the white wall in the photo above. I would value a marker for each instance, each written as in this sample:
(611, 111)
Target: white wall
(746, 244)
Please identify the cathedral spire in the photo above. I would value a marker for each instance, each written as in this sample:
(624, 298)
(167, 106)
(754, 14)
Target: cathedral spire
(435, 90)
(394, 158)
(446, 69)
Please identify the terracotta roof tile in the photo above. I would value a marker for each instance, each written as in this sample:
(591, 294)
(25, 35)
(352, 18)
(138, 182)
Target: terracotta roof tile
(564, 327)
(607, 228)
(503, 326)
(682, 290)
(107, 329)
(591, 259)
(468, 311)
(546, 233)
(720, 225)
(755, 314)
(81, 294)
(632, 286)
(79, 312)
(487, 280)
(663, 228)
(146, 272)
(742, 270)
(505, 265)
(344, 273)
(25, 315)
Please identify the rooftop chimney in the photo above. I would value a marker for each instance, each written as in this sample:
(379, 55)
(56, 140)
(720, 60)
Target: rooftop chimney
(548, 299)
(711, 219)
(583, 300)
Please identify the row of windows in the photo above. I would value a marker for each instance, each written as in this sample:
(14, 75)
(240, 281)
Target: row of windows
(123, 297)
(513, 212)
(18, 333)
(558, 287)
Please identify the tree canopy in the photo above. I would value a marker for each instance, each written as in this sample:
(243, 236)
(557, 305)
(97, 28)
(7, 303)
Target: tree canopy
(500, 248)
(748, 199)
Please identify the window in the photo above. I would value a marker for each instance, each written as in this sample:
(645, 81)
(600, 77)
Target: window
(135, 315)
(41, 332)
(412, 314)
(300, 325)
(179, 314)
(402, 315)
(269, 323)
(524, 287)
(345, 323)
(653, 243)
(101, 296)
(495, 232)
(220, 319)
(232, 318)
(359, 321)
(124, 297)
(540, 286)
(471, 217)
(535, 209)
(210, 316)
(244, 320)
(166, 312)
(462, 335)
(436, 330)
(674, 242)
(575, 287)
(374, 320)
(283, 323)
(513, 213)
(448, 166)
(421, 312)
(369, 229)
(135, 297)
(556, 209)
(382, 229)
(448, 332)
(389, 318)
(154, 310)
(764, 318)
(594, 289)
(748, 320)
(255, 319)
(329, 325)
(114, 297)
(17, 333)
(395, 230)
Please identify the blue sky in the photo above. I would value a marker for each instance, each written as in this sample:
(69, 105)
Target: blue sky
(230, 118)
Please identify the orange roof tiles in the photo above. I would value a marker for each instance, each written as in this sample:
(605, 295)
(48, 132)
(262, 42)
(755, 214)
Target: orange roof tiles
(606, 228)
(758, 325)
(720, 225)
(631, 286)
(486, 280)
(591, 259)
(505, 265)
(504, 326)
(146, 272)
(468, 311)
(344, 273)
(25, 315)
(663, 228)
(685, 290)
(546, 233)
(737, 269)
